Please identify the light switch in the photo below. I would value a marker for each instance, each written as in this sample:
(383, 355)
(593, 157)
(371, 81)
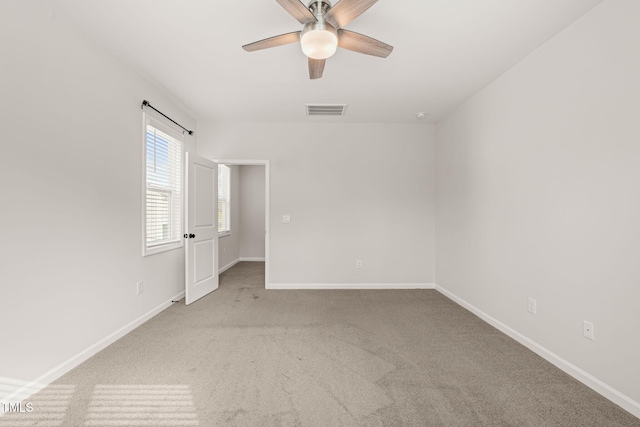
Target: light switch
(286, 219)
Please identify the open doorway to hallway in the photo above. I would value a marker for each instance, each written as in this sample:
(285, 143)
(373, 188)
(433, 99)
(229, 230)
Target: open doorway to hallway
(248, 238)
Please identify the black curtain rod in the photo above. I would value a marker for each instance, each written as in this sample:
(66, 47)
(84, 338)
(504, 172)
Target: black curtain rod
(145, 103)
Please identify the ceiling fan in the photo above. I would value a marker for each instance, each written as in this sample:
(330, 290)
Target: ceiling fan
(322, 32)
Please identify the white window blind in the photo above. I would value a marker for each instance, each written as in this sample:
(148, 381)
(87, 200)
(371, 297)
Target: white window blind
(224, 199)
(163, 195)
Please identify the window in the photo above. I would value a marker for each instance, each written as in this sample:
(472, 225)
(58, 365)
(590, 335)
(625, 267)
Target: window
(224, 199)
(163, 188)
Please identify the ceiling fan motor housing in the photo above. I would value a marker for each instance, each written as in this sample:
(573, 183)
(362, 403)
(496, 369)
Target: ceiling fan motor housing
(319, 7)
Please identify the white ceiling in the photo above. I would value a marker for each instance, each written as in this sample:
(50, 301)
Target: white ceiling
(444, 52)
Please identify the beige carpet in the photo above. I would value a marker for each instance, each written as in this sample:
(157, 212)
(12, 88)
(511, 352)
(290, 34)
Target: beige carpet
(245, 356)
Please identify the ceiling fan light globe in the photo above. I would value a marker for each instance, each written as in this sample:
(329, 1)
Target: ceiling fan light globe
(319, 40)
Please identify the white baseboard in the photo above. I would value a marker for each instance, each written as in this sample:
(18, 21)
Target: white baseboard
(291, 286)
(24, 391)
(232, 263)
(251, 259)
(228, 266)
(584, 377)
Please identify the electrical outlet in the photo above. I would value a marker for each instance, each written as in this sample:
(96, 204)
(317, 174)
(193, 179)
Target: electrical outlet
(587, 330)
(286, 219)
(139, 288)
(532, 307)
(358, 263)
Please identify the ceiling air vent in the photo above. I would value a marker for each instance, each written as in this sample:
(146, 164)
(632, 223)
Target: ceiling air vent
(326, 109)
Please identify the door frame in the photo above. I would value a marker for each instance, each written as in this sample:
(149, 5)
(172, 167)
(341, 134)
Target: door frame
(265, 163)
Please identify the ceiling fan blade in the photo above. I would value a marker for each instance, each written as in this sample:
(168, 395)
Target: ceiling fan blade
(298, 10)
(316, 67)
(273, 41)
(363, 44)
(346, 11)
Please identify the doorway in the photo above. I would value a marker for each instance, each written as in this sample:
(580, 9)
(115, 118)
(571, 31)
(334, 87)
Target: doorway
(248, 238)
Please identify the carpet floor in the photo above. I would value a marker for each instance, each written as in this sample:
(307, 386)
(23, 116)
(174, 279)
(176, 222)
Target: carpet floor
(245, 356)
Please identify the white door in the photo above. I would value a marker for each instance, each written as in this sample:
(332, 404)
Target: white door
(201, 228)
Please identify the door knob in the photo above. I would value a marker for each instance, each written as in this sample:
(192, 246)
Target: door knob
(191, 236)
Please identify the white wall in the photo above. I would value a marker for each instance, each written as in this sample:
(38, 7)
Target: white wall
(229, 245)
(252, 216)
(537, 196)
(71, 177)
(354, 191)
